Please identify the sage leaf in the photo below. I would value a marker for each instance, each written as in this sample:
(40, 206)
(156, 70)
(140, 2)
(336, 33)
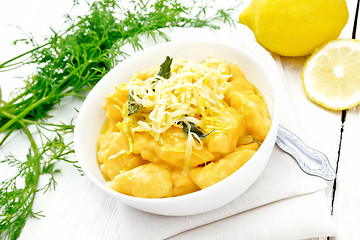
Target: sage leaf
(133, 106)
(165, 68)
(195, 130)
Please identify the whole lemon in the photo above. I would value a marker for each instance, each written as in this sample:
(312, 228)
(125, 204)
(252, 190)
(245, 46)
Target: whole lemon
(295, 27)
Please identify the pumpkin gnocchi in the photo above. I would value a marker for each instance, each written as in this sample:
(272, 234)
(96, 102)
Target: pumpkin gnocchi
(179, 127)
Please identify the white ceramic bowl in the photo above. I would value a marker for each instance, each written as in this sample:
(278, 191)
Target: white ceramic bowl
(92, 117)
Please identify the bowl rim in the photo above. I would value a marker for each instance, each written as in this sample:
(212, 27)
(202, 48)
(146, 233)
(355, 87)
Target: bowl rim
(129, 61)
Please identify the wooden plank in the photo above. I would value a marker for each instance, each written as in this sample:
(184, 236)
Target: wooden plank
(347, 195)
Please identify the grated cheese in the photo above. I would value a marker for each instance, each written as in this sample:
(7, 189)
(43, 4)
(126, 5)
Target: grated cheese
(193, 93)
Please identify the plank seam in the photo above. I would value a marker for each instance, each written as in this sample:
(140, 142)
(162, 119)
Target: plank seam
(355, 20)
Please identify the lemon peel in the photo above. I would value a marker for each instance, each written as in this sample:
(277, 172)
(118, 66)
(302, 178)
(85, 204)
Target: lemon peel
(331, 76)
(295, 27)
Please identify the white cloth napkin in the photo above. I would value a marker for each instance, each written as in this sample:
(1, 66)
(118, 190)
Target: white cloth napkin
(284, 203)
(299, 217)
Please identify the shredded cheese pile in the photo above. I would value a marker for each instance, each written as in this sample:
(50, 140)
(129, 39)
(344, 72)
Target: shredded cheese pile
(194, 93)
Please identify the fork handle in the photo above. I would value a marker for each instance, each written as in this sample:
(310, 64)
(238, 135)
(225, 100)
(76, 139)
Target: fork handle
(310, 160)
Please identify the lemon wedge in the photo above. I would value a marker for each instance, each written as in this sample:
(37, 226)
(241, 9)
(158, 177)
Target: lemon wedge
(331, 76)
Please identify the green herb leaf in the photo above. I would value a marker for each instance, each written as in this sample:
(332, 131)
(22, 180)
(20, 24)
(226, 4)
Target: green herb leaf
(133, 106)
(165, 68)
(164, 71)
(195, 130)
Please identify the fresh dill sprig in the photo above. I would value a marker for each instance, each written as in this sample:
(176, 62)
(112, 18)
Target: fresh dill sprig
(69, 64)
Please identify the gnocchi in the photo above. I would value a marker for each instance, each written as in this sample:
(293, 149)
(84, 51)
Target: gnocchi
(172, 134)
